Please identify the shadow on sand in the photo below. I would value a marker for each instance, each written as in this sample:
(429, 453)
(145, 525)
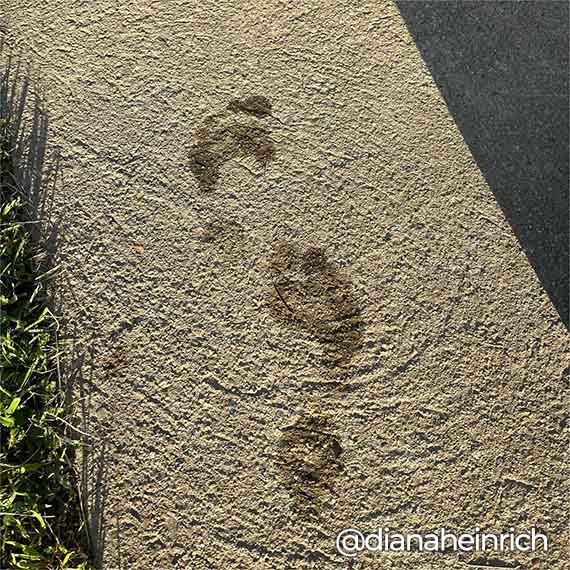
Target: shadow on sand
(35, 178)
(502, 68)
(91, 462)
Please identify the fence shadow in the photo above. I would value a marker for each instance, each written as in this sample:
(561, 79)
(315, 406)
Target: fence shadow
(502, 68)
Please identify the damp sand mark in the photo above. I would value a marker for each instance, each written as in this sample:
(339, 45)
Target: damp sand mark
(310, 292)
(310, 461)
(236, 132)
(224, 237)
(256, 105)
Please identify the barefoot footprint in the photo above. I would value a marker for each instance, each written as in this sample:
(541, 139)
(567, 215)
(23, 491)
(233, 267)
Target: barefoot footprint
(236, 132)
(310, 461)
(311, 293)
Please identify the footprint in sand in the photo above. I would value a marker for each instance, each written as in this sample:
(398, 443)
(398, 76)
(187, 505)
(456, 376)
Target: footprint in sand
(310, 460)
(310, 292)
(236, 132)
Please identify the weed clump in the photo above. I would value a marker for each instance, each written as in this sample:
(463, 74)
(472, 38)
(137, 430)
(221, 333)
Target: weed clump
(37, 495)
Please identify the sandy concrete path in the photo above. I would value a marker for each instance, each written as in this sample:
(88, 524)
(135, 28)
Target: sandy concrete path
(246, 423)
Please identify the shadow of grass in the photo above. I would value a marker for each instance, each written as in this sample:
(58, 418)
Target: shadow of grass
(31, 173)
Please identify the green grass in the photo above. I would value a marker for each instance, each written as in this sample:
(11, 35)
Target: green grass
(39, 525)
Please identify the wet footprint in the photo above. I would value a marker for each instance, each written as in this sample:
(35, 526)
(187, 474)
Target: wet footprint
(310, 460)
(235, 132)
(312, 293)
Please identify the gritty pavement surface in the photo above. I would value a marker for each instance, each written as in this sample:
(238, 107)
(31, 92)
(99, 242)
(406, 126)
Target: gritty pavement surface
(298, 318)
